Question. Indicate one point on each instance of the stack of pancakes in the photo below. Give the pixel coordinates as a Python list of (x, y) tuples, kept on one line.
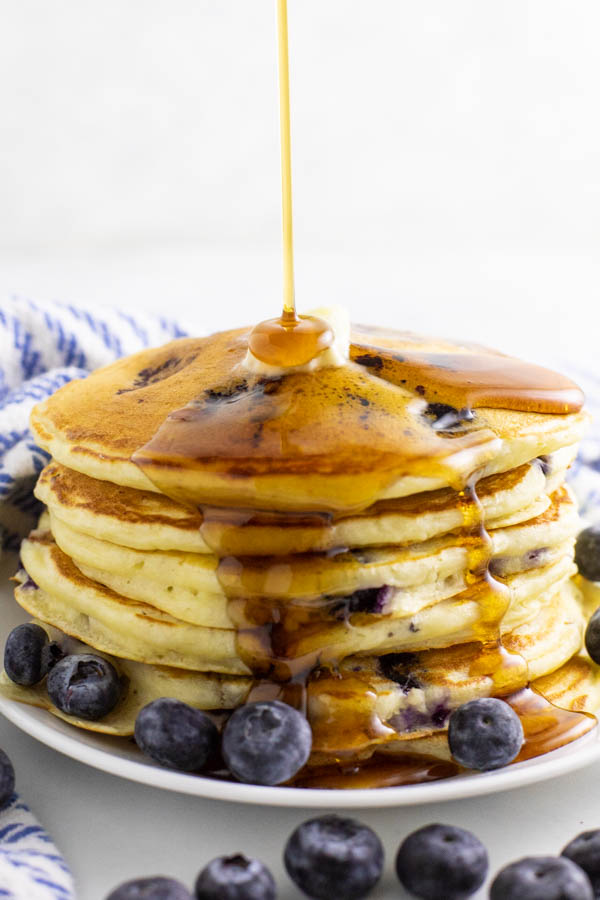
[(357, 539)]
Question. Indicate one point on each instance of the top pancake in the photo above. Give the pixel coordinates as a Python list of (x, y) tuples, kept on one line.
[(189, 420)]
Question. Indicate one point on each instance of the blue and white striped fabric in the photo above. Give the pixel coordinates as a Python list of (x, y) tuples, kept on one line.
[(42, 346), (31, 868)]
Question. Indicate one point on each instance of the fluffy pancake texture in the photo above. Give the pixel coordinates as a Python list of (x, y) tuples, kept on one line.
[(208, 529)]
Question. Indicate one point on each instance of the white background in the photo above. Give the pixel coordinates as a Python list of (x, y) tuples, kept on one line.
[(446, 161), (447, 178)]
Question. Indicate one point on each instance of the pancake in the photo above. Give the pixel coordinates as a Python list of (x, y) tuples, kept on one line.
[(66, 599), (186, 584), (411, 690), (146, 521), (334, 439), (142, 684), (63, 597), (407, 691), (575, 687)]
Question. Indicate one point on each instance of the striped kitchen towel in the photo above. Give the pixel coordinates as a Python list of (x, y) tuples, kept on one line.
[(42, 346), (31, 868)]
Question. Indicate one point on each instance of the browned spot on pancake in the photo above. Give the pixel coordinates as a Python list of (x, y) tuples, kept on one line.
[(560, 499), (74, 490)]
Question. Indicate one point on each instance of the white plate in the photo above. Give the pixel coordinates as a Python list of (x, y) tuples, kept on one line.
[(120, 756)]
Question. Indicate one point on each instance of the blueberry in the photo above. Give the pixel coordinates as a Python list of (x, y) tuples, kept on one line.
[(334, 857), (7, 779), (592, 636), (441, 862), (541, 878), (485, 734), (176, 735), (584, 850), (266, 742), (25, 659), (587, 552), (156, 888), (84, 685), (235, 878)]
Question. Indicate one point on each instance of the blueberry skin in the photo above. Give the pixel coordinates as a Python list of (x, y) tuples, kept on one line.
[(584, 850), (7, 779), (442, 862), (24, 659), (587, 552), (333, 857), (485, 734), (592, 636), (84, 685), (542, 878), (176, 735), (235, 878), (156, 888), (266, 742)]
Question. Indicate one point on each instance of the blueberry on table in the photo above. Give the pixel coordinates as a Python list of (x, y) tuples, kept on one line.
[(485, 734), (266, 742), (592, 636), (235, 878), (25, 659), (442, 862), (542, 878), (156, 888), (176, 735), (7, 779), (584, 850), (334, 857), (587, 552), (84, 685)]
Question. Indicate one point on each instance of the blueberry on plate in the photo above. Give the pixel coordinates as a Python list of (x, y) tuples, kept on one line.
[(592, 636), (84, 685), (27, 654), (442, 862), (157, 888), (266, 742), (235, 878), (584, 850), (541, 878), (485, 734), (176, 735), (587, 552), (7, 779), (333, 857)]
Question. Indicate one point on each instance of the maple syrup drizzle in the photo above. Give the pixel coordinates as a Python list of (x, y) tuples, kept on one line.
[(469, 377), (290, 340), (364, 420)]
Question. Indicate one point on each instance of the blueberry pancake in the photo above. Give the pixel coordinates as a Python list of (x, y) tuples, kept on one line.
[(378, 538)]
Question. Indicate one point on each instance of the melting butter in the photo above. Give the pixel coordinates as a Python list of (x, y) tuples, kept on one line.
[(337, 354)]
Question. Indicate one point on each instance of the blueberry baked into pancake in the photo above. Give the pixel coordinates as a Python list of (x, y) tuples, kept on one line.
[(379, 543)]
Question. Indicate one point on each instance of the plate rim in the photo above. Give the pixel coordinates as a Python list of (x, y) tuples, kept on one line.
[(558, 762)]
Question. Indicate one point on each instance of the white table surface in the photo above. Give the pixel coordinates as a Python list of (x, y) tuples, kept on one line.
[(111, 830)]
